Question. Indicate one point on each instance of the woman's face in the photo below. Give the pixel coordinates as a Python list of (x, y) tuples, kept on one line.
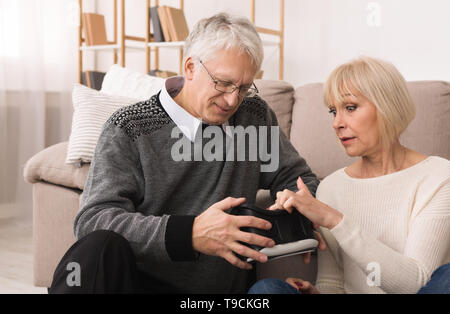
[(355, 123)]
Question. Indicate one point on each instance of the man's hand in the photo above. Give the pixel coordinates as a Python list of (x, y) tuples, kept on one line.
[(217, 233)]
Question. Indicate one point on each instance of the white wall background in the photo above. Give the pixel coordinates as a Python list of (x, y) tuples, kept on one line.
[(320, 34)]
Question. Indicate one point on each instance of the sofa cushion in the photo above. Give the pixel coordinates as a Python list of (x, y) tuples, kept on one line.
[(279, 96), (91, 110), (49, 166), (315, 140), (128, 83)]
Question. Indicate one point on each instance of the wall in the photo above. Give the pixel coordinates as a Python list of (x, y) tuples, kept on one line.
[(413, 34)]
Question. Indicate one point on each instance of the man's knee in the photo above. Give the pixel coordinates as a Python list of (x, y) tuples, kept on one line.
[(100, 254), (104, 244)]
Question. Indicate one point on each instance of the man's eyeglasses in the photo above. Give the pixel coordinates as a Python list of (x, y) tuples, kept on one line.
[(228, 87)]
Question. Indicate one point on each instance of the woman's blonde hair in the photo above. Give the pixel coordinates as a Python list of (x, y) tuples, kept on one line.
[(384, 86)]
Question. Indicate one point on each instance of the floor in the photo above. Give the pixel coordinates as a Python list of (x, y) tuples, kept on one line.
[(16, 257)]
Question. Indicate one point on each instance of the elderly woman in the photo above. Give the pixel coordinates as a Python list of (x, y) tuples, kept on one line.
[(385, 218)]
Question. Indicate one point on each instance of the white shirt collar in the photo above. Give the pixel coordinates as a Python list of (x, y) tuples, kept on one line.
[(186, 122)]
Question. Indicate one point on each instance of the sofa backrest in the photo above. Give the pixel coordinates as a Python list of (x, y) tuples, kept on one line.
[(279, 95), (315, 140), (429, 133)]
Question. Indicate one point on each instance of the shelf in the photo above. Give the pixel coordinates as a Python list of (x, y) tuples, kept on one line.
[(134, 45), (273, 32), (100, 47), (114, 45), (141, 45)]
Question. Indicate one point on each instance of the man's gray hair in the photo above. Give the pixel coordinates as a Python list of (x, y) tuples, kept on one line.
[(224, 31)]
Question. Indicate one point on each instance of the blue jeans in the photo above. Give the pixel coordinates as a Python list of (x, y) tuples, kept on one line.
[(439, 282), (272, 286)]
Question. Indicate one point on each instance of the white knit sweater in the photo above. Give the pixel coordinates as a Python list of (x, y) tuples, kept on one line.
[(395, 231)]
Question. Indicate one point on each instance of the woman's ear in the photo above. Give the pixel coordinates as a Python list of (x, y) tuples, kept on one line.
[(189, 68)]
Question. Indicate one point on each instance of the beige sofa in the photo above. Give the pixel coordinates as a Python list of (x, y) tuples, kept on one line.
[(302, 116)]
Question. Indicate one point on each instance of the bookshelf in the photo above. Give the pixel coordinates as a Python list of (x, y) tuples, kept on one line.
[(147, 43), (273, 32), (82, 47)]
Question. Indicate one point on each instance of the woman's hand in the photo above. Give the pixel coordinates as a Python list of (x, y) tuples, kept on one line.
[(282, 197), (303, 286), (319, 213)]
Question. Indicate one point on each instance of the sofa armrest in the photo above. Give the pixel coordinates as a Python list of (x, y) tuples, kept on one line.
[(49, 166)]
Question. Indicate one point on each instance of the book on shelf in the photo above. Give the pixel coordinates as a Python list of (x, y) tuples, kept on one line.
[(176, 20), (92, 79), (158, 34), (94, 29), (164, 24)]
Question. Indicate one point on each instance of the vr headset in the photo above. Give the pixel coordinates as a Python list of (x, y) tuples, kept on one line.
[(292, 233)]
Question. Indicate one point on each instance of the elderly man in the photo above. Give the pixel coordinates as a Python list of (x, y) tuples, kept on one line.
[(153, 214)]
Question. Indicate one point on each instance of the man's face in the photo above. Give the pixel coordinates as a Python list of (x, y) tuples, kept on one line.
[(211, 105)]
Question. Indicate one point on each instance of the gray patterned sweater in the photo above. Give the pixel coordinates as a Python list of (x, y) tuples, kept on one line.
[(136, 189)]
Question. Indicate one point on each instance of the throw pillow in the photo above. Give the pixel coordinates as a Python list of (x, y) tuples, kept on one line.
[(91, 110), (124, 82)]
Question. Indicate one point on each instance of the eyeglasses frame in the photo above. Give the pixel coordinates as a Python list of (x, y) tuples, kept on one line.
[(254, 89)]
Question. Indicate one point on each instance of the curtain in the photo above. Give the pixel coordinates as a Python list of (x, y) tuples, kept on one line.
[(38, 67)]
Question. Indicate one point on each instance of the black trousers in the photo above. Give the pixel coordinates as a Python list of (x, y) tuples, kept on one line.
[(103, 262)]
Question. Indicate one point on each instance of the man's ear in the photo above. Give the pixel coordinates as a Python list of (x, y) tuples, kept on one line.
[(189, 68)]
